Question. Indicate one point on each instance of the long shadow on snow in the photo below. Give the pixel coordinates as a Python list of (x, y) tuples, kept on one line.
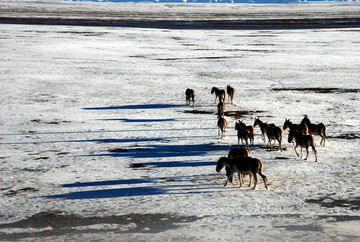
[(167, 189), (131, 192), (137, 106), (160, 151), (134, 181), (91, 140), (140, 120)]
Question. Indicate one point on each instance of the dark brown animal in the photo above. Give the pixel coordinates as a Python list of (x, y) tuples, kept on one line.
[(304, 141), (250, 129), (222, 125), (272, 132), (221, 107), (301, 128), (219, 93), (236, 153), (316, 129), (190, 96), (243, 166), (242, 134), (262, 128), (231, 92)]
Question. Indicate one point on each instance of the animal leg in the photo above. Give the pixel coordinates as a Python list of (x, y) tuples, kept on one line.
[(255, 180), (296, 151), (250, 176), (239, 179), (313, 148), (264, 179), (322, 140), (279, 140), (232, 180), (307, 153), (242, 178)]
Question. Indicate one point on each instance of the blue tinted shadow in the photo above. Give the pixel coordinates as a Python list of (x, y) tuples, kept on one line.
[(171, 164), (108, 183), (141, 106), (157, 151), (110, 193), (140, 120)]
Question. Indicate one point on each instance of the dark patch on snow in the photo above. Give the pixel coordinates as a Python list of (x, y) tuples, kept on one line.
[(331, 202), (319, 90), (198, 111), (62, 223), (241, 114), (19, 191), (346, 136)]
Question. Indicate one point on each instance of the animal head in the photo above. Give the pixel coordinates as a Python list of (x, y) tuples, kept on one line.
[(237, 125), (306, 120), (220, 164), (242, 123), (287, 123), (291, 136), (213, 90), (257, 121)]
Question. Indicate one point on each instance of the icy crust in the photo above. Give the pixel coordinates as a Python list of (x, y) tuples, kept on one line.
[(176, 11), (94, 125)]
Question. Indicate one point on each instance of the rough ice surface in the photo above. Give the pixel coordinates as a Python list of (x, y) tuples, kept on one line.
[(94, 124)]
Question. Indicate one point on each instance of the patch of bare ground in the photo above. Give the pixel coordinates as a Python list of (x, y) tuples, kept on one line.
[(330, 202), (22, 190), (49, 122), (194, 111), (282, 157), (121, 150), (34, 170), (241, 114), (320, 90), (199, 58), (118, 150), (345, 136), (234, 114), (61, 223), (137, 166)]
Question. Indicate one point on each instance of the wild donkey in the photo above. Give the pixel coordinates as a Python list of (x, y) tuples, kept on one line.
[(272, 132), (262, 128), (301, 128), (231, 92), (242, 134), (219, 93), (236, 153), (250, 129), (221, 107), (316, 129), (190, 96), (303, 141), (243, 166), (222, 125)]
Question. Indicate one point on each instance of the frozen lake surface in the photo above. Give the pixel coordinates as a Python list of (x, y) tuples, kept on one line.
[(97, 143)]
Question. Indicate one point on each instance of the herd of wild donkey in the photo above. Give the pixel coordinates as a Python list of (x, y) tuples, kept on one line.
[(239, 160)]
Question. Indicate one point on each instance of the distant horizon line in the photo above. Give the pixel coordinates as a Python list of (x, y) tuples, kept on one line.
[(216, 1)]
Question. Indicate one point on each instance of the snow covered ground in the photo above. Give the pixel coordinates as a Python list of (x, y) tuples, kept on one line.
[(96, 142)]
